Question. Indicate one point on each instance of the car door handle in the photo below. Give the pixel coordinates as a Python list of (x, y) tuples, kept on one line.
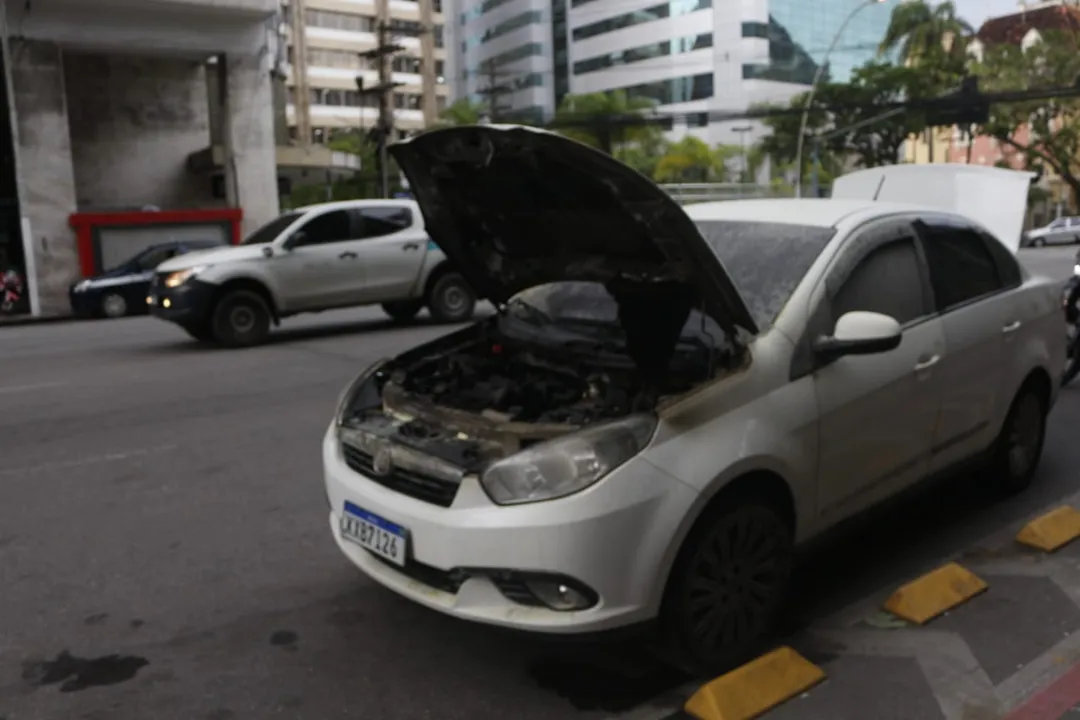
[(410, 246), (1011, 327), (926, 363), (347, 255)]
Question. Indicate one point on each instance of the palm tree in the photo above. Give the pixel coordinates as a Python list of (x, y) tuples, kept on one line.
[(921, 32), (584, 118)]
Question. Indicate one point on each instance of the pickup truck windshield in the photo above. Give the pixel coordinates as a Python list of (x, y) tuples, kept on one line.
[(272, 229)]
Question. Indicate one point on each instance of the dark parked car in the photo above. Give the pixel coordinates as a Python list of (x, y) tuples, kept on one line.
[(122, 290)]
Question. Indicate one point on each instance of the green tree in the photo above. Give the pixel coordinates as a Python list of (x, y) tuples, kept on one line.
[(592, 119), (860, 129), (690, 160), (780, 146), (1045, 132), (922, 33), (461, 112)]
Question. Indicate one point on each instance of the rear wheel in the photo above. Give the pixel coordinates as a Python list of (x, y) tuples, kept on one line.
[(1018, 449), (240, 319), (728, 586), (1038, 242), (114, 306), (403, 310), (450, 299)]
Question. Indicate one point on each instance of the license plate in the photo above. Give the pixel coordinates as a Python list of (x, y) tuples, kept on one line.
[(373, 533)]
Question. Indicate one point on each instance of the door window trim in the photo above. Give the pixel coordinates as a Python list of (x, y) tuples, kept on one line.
[(922, 226)]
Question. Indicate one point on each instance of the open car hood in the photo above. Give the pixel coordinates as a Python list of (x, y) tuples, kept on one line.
[(995, 198), (516, 207)]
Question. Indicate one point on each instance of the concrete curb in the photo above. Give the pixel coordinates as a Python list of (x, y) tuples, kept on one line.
[(24, 320)]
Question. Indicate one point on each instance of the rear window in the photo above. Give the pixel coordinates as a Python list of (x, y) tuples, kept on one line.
[(766, 261)]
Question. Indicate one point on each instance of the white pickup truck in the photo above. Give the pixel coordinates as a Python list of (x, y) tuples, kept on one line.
[(315, 258)]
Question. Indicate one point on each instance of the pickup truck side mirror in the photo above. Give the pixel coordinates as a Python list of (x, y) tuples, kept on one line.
[(297, 239)]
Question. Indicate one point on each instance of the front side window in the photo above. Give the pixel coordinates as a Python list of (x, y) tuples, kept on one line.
[(887, 281), (151, 259), (961, 266), (329, 227), (272, 229)]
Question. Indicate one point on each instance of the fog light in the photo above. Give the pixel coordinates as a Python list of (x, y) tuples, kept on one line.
[(558, 595), (149, 300), (166, 302)]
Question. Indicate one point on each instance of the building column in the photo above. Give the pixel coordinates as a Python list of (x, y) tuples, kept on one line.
[(45, 174), (247, 132)]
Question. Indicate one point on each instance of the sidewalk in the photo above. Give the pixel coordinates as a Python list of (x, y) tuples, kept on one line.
[(1009, 653), (15, 320)]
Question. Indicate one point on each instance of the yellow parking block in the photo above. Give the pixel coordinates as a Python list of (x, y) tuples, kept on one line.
[(1052, 531), (755, 688), (923, 599)]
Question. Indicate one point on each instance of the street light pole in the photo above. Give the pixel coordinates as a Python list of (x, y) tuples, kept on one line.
[(745, 164), (814, 85)]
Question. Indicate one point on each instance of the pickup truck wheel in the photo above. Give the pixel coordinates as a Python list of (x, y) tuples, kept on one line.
[(450, 299), (728, 586), (240, 319), (404, 310)]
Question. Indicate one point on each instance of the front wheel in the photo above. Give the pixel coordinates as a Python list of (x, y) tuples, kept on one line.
[(728, 586), (450, 299), (240, 319), (113, 306), (1018, 449), (1038, 242)]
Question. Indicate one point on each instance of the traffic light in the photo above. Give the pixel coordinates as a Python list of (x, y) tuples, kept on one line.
[(967, 106)]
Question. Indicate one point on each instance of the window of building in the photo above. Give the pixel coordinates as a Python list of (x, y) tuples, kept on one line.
[(697, 120), (337, 59), (340, 21), (644, 52), (506, 26), (437, 33), (436, 6), (755, 30), (406, 64), (318, 135), (440, 102), (480, 9), (675, 90), (407, 101), (625, 20)]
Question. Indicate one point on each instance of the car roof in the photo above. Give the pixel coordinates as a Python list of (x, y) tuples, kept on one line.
[(347, 204), (815, 212)]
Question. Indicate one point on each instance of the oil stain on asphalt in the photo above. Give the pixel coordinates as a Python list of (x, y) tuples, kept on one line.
[(74, 673)]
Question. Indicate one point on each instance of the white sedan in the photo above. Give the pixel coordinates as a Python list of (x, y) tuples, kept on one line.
[(671, 400)]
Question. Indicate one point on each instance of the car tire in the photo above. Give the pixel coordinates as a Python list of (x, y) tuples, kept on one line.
[(240, 319), (717, 615), (114, 306), (1018, 449), (1038, 242), (199, 331), (404, 310), (450, 299)]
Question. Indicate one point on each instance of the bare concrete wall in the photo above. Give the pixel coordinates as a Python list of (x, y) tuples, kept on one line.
[(133, 123), (46, 182)]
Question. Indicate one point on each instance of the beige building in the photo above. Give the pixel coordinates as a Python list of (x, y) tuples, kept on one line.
[(324, 41)]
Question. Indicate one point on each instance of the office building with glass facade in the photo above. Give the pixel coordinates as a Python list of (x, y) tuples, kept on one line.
[(687, 56)]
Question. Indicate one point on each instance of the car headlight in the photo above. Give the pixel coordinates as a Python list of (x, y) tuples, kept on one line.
[(180, 277), (363, 392), (566, 465)]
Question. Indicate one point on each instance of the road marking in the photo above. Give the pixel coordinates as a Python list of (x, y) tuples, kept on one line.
[(1051, 702), (29, 388), (93, 460), (924, 598)]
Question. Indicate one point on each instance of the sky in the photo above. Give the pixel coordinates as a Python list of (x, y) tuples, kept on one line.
[(977, 11)]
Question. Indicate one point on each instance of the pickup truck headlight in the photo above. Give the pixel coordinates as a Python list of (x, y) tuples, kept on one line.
[(178, 278), (362, 393), (566, 465)]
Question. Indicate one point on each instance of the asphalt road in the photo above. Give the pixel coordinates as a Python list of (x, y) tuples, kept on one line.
[(164, 550)]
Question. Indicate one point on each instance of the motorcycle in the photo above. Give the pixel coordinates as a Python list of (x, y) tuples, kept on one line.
[(11, 291), (1070, 299)]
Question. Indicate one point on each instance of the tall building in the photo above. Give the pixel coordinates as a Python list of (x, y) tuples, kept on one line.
[(687, 56), (325, 39)]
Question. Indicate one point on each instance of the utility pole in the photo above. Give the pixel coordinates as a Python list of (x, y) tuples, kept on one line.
[(299, 69), (493, 89), (382, 53)]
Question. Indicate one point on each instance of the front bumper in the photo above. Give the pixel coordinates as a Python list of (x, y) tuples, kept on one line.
[(614, 538), (189, 302), (84, 303)]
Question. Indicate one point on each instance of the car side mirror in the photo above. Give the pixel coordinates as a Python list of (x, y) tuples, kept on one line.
[(268, 252), (297, 239), (859, 333)]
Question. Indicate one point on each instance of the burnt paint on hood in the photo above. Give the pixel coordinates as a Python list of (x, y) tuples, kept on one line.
[(517, 207)]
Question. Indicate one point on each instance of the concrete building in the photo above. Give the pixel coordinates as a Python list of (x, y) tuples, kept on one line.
[(109, 103), (687, 56), (324, 39)]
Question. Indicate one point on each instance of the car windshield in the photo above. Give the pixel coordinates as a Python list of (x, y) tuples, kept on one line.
[(272, 229), (765, 260)]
